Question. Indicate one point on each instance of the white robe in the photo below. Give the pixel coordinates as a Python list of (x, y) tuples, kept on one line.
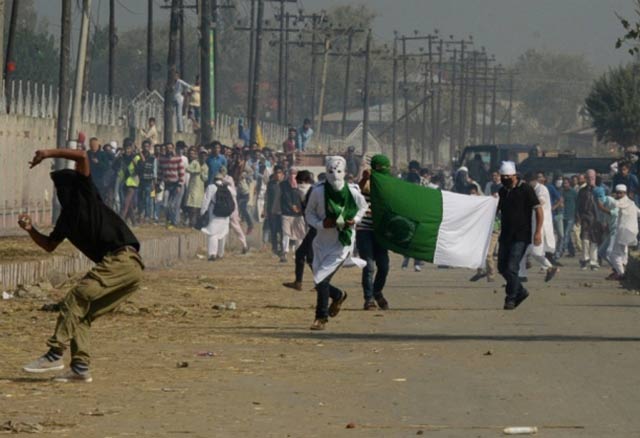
[(627, 227), (217, 227), (328, 253), (548, 237)]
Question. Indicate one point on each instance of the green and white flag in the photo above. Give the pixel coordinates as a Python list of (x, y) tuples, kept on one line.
[(436, 226)]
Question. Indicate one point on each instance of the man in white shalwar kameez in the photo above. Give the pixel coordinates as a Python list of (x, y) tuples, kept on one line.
[(626, 232), (334, 209), (218, 227), (548, 245)]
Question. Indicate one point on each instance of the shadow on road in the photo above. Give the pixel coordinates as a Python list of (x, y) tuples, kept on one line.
[(436, 337)]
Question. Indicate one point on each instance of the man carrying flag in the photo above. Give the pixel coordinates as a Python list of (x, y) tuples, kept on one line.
[(334, 209)]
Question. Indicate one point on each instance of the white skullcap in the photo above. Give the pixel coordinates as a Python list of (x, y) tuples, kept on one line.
[(114, 144), (621, 188), (334, 161), (463, 169), (508, 168)]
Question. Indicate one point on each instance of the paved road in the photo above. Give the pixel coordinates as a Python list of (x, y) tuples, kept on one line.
[(446, 361)]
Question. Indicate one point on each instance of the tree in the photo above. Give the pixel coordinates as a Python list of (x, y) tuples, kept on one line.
[(614, 105), (632, 35), (552, 88)]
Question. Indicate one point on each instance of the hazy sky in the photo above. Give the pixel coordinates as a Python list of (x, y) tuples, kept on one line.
[(505, 27)]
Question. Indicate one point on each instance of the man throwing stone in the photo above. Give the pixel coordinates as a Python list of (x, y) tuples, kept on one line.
[(334, 209), (100, 234), (517, 202)]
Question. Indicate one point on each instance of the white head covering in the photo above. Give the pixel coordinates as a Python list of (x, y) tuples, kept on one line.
[(336, 166), (508, 168), (463, 169), (621, 188), (114, 144)]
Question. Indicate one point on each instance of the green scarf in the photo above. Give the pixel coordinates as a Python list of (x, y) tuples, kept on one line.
[(340, 205)]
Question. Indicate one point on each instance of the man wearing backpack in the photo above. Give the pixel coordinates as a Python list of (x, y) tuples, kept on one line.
[(218, 205)]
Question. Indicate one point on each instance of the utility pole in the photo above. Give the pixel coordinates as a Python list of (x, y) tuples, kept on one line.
[(281, 65), (323, 83), (485, 88), (423, 127), (2, 13), (255, 97), (252, 41), (149, 45), (462, 95), (405, 90), (394, 98), (314, 23), (347, 80), (494, 90), (365, 101), (436, 141), (474, 98), (76, 108), (181, 30), (452, 112), (63, 80), (510, 107), (171, 70), (206, 72), (112, 45), (286, 69), (9, 64)]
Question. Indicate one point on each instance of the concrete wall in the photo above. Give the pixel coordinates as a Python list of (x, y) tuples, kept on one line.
[(29, 190)]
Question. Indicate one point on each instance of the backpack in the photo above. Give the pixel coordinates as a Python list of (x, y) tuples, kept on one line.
[(224, 205)]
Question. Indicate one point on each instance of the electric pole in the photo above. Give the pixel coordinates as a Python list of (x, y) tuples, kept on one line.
[(63, 80), (281, 65), (206, 71), (394, 98), (323, 83), (10, 64), (2, 13), (347, 80), (255, 97), (171, 71), (112, 45), (149, 45), (511, 74), (252, 42), (365, 101), (405, 91), (181, 39), (76, 108)]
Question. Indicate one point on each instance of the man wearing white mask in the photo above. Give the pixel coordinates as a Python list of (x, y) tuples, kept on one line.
[(626, 232), (334, 209), (518, 201), (548, 245)]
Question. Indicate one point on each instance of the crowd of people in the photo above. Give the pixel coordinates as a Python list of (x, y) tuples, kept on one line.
[(584, 215), (327, 220)]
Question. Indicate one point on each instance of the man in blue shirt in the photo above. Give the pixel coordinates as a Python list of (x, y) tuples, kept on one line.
[(215, 161), (304, 135), (624, 176)]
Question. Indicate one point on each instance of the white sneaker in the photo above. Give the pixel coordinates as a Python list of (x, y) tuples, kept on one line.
[(43, 365), (73, 377), (417, 268)]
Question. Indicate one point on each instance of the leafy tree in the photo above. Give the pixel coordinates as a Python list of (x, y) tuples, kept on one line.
[(552, 88), (632, 35), (614, 105)]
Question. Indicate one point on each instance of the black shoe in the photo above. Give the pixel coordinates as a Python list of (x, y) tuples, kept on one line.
[(478, 276), (520, 298), (382, 303), (551, 272), (509, 305), (335, 306), (523, 279)]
